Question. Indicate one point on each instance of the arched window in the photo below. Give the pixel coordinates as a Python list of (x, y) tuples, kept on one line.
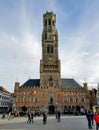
[(51, 100)]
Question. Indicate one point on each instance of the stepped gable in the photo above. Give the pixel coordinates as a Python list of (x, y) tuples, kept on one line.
[(31, 83), (70, 83)]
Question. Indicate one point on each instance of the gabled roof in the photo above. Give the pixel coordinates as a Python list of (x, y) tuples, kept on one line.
[(69, 83), (3, 89), (31, 83)]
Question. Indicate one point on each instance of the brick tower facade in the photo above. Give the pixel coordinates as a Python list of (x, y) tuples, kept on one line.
[(50, 63)]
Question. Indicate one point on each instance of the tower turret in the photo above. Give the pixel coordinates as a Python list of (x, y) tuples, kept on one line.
[(85, 86), (16, 86)]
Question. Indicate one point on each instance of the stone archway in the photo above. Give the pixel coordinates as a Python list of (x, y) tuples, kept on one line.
[(24, 108), (51, 109)]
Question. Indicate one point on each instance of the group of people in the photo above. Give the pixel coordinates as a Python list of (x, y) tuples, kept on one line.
[(91, 117), (9, 116), (45, 117), (30, 115)]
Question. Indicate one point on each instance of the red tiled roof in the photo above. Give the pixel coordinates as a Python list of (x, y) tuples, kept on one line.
[(3, 89)]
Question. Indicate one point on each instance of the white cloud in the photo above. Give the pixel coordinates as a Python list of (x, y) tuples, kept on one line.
[(20, 52), (84, 54), (97, 54)]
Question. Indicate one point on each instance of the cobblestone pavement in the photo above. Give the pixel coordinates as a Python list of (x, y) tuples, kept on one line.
[(67, 123)]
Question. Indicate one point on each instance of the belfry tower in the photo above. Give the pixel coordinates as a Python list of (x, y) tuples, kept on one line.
[(50, 64)]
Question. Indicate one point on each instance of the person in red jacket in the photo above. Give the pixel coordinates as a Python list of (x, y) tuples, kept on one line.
[(96, 118)]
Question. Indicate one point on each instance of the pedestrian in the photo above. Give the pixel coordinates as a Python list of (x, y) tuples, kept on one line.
[(88, 116), (3, 116), (96, 118), (58, 116), (92, 118), (32, 117), (44, 118), (29, 117), (9, 116)]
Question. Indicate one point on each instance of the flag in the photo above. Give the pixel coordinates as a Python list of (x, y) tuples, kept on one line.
[(34, 92), (30, 93)]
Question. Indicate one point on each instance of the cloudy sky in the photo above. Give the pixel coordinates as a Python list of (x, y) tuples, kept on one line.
[(21, 25)]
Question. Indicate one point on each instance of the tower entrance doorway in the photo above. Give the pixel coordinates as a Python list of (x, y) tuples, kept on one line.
[(51, 109)]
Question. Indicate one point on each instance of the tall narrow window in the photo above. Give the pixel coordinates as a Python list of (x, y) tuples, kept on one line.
[(45, 36), (51, 100), (49, 49), (18, 99), (76, 99), (49, 22), (45, 22)]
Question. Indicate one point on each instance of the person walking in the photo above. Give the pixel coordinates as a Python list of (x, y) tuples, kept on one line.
[(32, 116), (3, 116), (29, 117), (88, 116), (96, 118), (44, 118), (58, 116), (9, 115), (92, 118)]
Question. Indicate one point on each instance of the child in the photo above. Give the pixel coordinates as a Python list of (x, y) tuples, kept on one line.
[(96, 118)]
